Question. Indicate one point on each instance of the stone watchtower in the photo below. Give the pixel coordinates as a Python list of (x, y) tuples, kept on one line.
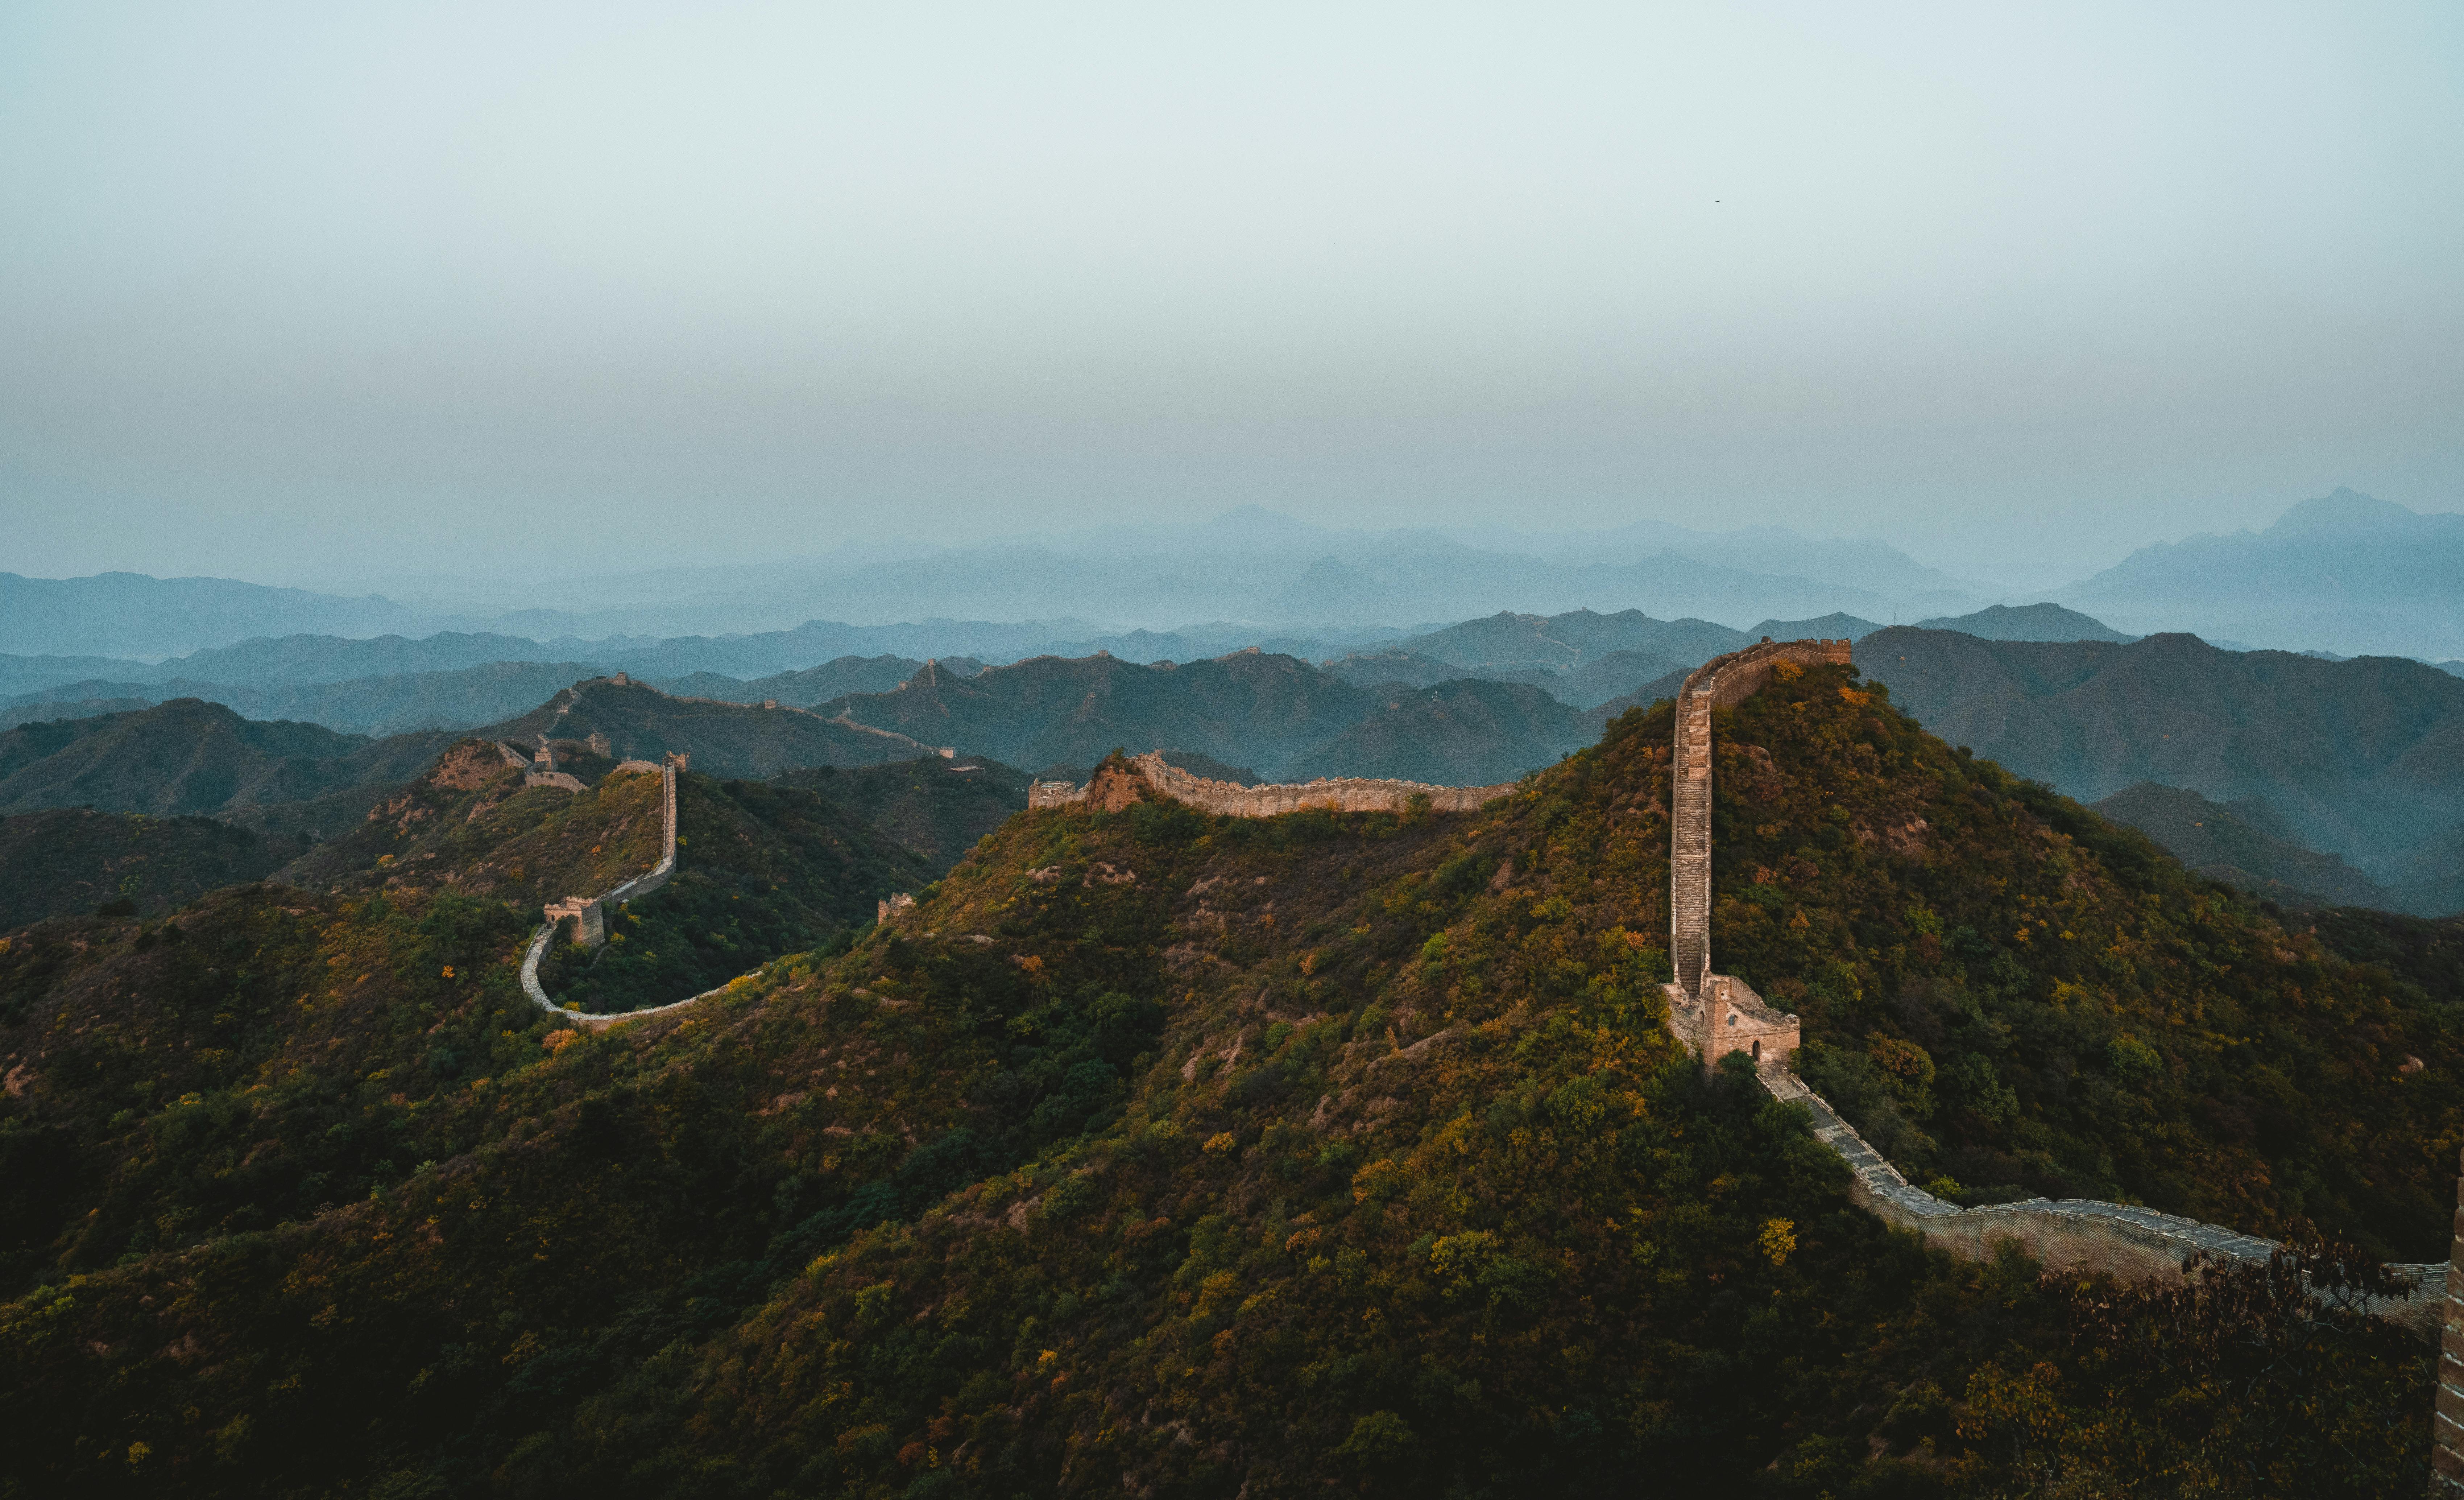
[(589, 919), (1718, 1013)]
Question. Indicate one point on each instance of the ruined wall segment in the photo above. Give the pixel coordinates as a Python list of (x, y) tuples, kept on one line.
[(1112, 789)]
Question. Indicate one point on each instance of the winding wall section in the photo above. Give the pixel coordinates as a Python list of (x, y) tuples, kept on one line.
[(1717, 1014), (587, 911)]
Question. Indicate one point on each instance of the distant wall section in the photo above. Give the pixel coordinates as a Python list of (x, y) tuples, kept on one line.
[(589, 913), (1109, 791)]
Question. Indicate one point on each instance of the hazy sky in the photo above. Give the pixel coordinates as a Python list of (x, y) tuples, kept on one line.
[(320, 290)]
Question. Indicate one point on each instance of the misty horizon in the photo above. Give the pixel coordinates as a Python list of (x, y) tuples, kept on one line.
[(304, 293)]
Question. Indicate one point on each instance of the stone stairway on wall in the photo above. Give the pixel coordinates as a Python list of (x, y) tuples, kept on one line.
[(1689, 855), (1722, 682)]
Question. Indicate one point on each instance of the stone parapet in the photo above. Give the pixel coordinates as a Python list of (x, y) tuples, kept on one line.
[(1230, 799)]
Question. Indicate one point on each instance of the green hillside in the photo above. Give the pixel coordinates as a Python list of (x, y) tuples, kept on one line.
[(726, 739), (1158, 1153), (2042, 622), (1397, 668), (760, 870), (1246, 709), (2359, 758), (1570, 641), (933, 808), (2213, 840), (70, 860), (192, 756), (468, 825), (831, 679), (1463, 733)]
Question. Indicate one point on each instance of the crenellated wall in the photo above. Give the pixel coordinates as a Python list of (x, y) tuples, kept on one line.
[(1342, 794)]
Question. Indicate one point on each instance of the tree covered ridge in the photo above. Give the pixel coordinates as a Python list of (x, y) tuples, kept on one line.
[(2011, 995), (1150, 1148)]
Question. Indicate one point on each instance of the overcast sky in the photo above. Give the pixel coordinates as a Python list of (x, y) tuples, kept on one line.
[(332, 289)]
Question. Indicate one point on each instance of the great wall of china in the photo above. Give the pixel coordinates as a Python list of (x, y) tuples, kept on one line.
[(1231, 799), (589, 914), (1716, 1014), (1713, 1013)]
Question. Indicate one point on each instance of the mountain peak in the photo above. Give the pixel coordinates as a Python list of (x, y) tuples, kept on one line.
[(2344, 510)]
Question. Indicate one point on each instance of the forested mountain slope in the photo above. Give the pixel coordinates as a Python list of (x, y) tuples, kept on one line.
[(1466, 732), (935, 809), (1569, 641), (724, 739), (68, 860), (831, 679), (761, 870), (1247, 709), (2222, 842), (192, 756), (1159, 1152), (2360, 758)]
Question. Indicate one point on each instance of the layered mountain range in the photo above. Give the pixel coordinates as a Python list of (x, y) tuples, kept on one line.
[(2332, 758), (2364, 758), (1156, 1152)]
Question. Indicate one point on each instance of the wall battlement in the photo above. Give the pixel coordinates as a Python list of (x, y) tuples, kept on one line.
[(1230, 799)]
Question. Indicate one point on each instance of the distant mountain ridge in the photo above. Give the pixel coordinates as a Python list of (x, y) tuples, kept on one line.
[(112, 615), (2232, 845), (2038, 622), (192, 756), (2346, 572), (2360, 758)]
